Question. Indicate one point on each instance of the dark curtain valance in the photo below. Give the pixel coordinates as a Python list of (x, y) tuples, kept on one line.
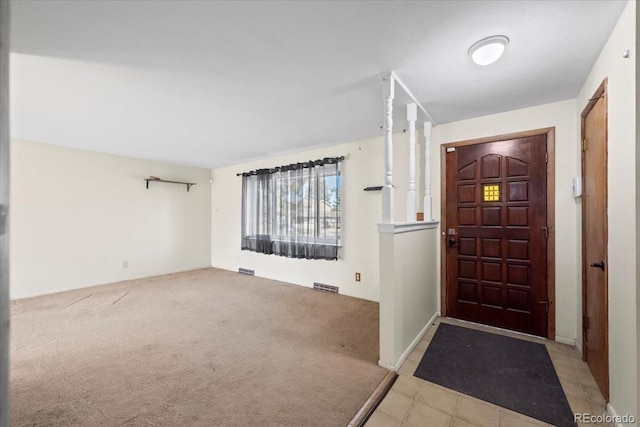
[(294, 166)]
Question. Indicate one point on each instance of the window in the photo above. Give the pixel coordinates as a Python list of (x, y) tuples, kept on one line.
[(491, 193), (293, 210)]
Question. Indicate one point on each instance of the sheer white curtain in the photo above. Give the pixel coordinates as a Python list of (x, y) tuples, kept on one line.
[(293, 210)]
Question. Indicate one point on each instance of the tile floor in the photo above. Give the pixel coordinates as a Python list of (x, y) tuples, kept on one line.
[(416, 403)]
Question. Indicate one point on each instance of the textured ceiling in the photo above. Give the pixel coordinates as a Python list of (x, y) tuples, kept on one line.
[(218, 83)]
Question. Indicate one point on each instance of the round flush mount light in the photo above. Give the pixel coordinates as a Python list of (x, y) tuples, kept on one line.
[(488, 50)]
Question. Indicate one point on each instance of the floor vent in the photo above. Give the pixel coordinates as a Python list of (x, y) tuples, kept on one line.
[(325, 288), (246, 271)]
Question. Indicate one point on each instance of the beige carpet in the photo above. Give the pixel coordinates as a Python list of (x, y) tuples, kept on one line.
[(202, 348)]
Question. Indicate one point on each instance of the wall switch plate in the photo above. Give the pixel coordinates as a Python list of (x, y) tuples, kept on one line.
[(357, 277)]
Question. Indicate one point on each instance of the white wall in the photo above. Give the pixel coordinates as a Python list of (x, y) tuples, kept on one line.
[(409, 291), (4, 200), (560, 115), (362, 168), (622, 214), (77, 215)]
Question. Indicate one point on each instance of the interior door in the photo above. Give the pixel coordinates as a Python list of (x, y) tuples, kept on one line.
[(496, 233), (594, 238)]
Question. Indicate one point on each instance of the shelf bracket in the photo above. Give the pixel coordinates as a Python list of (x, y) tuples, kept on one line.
[(188, 184)]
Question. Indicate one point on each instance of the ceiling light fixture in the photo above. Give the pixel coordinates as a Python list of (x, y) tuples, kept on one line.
[(489, 50)]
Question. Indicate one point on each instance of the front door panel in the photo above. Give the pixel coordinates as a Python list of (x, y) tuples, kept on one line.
[(496, 234)]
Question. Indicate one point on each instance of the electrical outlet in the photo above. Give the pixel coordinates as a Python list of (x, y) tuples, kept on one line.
[(125, 264), (357, 277)]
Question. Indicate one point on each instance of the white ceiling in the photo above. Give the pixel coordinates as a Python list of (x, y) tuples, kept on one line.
[(217, 83)]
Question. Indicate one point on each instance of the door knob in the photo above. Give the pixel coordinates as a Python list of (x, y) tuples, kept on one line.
[(599, 265), (452, 242)]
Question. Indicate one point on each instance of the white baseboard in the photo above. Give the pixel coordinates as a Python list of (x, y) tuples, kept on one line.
[(68, 289), (620, 420), (570, 342), (94, 285), (386, 366), (395, 366), (613, 413), (567, 341)]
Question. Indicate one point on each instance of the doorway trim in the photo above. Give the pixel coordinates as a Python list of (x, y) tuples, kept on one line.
[(550, 133), (600, 92)]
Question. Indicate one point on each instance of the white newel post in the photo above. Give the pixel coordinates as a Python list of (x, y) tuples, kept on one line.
[(428, 215), (412, 116), (388, 84)]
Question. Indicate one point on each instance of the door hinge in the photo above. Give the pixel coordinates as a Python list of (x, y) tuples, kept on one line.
[(585, 322), (546, 157), (546, 232), (584, 144)]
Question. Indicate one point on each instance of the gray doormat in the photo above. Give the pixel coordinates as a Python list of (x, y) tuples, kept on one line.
[(508, 372)]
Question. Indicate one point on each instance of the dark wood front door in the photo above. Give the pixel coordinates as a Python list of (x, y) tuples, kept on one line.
[(594, 238), (496, 233)]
